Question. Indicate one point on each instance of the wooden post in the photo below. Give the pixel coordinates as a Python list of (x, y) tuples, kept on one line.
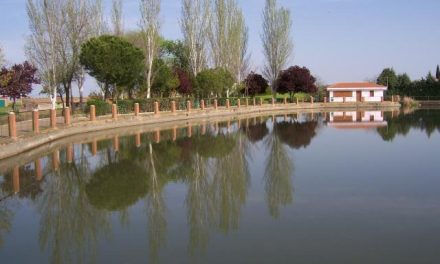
[(138, 139), (297, 101), (53, 118), (325, 100), (202, 104), (16, 179), (273, 101), (94, 147), (173, 106), (157, 136), (136, 109), (12, 125), (174, 133), (247, 102), (285, 100), (188, 106), (114, 111), (189, 131), (38, 170), (312, 100), (92, 113), (203, 129), (238, 103), (56, 160), (254, 102), (116, 143), (227, 103), (215, 104), (156, 108), (36, 121), (69, 153), (261, 101), (67, 116)]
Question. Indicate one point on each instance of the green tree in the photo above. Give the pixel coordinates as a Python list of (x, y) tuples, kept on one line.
[(388, 77), (214, 82), (403, 84), (165, 80), (112, 61), (437, 73), (175, 54)]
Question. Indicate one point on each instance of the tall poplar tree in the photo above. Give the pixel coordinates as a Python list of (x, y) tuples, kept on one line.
[(195, 24), (277, 40), (150, 26)]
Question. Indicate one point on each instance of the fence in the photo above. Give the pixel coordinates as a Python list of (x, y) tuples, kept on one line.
[(24, 122)]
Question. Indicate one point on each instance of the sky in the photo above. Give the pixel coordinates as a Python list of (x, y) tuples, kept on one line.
[(338, 40)]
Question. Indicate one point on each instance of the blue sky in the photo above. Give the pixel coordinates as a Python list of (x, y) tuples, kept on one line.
[(339, 40)]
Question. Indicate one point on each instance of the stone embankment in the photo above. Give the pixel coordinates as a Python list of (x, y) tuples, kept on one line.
[(16, 144)]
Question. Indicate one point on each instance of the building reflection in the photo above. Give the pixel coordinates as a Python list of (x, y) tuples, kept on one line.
[(356, 120)]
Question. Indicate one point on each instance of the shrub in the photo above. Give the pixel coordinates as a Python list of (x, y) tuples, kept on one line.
[(101, 106)]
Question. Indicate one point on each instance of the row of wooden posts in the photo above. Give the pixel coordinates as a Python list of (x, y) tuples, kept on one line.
[(12, 124)]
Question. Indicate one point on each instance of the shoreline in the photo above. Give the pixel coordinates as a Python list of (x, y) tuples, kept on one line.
[(166, 119)]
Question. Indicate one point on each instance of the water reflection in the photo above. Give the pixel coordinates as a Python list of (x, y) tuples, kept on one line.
[(77, 189)]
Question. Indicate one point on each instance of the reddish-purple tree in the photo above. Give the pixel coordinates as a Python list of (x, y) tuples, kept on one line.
[(16, 82), (296, 79), (255, 84), (185, 84)]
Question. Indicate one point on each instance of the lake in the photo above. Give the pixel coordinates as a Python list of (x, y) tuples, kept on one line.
[(334, 187)]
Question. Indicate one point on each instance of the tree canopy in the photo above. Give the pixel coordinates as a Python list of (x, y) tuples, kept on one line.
[(214, 82), (296, 79), (112, 60), (388, 78), (437, 73), (17, 81), (255, 84)]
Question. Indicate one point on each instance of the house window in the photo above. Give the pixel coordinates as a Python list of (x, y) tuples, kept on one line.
[(371, 93)]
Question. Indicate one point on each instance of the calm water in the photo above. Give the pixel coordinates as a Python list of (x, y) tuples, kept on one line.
[(306, 188)]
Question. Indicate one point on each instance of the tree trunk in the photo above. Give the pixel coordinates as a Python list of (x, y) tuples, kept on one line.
[(61, 97)]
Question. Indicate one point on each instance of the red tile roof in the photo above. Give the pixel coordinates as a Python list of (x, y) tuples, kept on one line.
[(356, 85)]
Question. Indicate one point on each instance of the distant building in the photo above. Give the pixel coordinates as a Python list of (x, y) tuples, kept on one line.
[(356, 92)]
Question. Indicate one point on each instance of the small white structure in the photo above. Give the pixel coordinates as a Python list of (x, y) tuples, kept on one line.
[(356, 92), (356, 119)]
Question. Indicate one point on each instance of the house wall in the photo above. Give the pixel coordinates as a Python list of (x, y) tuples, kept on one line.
[(340, 117), (378, 95)]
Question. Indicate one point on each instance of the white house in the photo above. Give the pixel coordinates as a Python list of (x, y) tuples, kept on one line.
[(356, 119), (356, 92)]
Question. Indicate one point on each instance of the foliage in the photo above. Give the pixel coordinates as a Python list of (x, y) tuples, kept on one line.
[(175, 53), (117, 186), (296, 134), (437, 73), (388, 78), (277, 40), (185, 82), (165, 80), (296, 79), (214, 82), (17, 81), (101, 106), (255, 84), (112, 60)]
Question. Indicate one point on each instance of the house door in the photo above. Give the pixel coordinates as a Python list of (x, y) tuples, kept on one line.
[(358, 96)]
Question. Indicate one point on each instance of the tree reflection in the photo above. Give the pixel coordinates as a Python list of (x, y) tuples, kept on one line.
[(277, 175), (296, 134), (70, 225), (255, 131), (424, 119)]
